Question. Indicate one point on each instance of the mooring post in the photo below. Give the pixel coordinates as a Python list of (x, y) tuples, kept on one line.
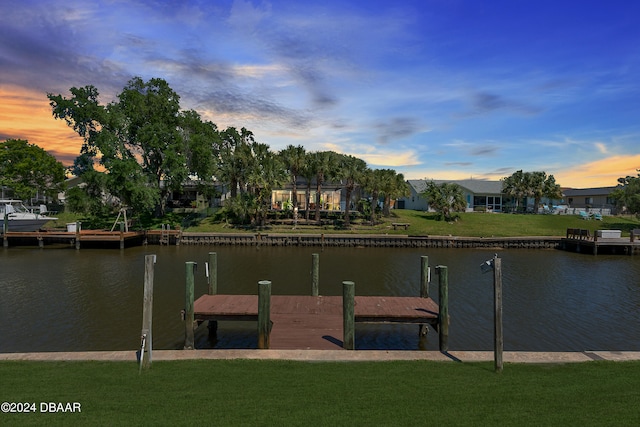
[(121, 235), (348, 312), (497, 300), (425, 277), (78, 224), (5, 228), (315, 274), (147, 313), (443, 312), (212, 280), (212, 273), (264, 313), (188, 311)]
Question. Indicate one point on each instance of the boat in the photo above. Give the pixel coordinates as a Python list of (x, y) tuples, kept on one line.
[(17, 217)]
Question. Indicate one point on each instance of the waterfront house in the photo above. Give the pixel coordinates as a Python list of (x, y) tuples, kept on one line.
[(480, 195)]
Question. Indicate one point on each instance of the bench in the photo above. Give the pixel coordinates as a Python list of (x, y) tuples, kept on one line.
[(635, 233), (578, 234), (400, 224)]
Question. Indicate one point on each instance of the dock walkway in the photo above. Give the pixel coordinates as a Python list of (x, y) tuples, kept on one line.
[(315, 322)]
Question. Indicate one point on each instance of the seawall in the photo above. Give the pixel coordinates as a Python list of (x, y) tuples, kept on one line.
[(360, 240)]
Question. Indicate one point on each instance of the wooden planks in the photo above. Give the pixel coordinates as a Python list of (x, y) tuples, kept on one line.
[(315, 322)]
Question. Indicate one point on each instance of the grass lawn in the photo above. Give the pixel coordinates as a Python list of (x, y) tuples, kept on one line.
[(281, 393), (468, 224)]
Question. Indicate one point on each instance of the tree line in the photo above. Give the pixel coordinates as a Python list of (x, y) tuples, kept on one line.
[(149, 147)]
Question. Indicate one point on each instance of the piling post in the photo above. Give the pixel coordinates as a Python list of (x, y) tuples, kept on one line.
[(497, 304), (5, 228), (78, 224), (348, 312), (212, 280), (315, 275), (264, 314), (147, 313), (443, 312), (121, 235), (425, 277), (188, 311)]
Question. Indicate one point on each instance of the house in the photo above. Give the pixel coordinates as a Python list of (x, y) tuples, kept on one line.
[(480, 195), (591, 198), (331, 197)]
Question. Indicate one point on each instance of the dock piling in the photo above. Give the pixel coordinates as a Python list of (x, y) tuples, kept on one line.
[(212, 281), (443, 313), (425, 277), (315, 274), (264, 313), (188, 311), (147, 313), (497, 318), (348, 312)]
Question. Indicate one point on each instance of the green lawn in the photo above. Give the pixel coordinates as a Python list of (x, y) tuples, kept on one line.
[(423, 224), (281, 393), (468, 224)]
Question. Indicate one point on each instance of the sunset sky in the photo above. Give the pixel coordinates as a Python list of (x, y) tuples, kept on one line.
[(436, 89)]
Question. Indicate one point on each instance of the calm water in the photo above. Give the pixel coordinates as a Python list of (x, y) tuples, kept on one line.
[(59, 299)]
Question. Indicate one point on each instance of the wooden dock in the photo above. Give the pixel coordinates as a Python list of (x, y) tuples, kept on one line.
[(315, 322), (585, 241), (77, 238)]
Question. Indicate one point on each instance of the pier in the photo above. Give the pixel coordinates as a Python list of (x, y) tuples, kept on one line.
[(314, 322), (600, 241), (78, 238)]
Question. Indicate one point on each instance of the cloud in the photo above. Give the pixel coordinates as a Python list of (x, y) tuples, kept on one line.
[(396, 128), (482, 103), (376, 157), (594, 174)]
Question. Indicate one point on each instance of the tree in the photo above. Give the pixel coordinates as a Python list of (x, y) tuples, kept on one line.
[(515, 186), (531, 184), (372, 184), (445, 198), (324, 164), (28, 170), (350, 169), (294, 161), (142, 140), (627, 194), (392, 186)]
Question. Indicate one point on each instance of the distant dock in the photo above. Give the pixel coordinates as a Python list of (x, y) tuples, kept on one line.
[(601, 241), (78, 238)]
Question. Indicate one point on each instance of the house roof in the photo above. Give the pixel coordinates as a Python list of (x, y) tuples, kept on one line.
[(578, 192), (474, 186)]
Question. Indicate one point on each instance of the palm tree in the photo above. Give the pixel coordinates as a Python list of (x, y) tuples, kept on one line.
[(350, 169), (324, 165), (372, 183), (445, 198), (294, 161), (515, 186)]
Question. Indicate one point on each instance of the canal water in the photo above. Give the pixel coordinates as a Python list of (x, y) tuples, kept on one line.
[(61, 299)]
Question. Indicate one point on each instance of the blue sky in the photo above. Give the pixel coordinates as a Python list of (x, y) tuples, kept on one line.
[(442, 89)]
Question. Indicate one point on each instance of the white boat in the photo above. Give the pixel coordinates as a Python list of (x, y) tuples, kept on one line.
[(19, 218)]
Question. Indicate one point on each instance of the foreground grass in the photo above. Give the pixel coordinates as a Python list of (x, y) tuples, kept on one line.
[(245, 392)]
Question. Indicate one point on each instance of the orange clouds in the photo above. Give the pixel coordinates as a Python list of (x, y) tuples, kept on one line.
[(601, 173), (27, 115)]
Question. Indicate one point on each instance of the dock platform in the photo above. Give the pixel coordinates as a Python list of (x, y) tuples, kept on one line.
[(584, 241), (315, 322), (77, 238)]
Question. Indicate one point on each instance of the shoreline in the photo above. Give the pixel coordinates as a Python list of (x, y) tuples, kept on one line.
[(330, 356)]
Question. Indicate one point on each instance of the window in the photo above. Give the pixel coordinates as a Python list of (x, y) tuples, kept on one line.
[(588, 200)]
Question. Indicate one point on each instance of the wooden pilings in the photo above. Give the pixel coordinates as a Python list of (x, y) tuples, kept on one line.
[(212, 281), (425, 277), (188, 311), (315, 274), (264, 313), (443, 313), (348, 312), (146, 342), (497, 305)]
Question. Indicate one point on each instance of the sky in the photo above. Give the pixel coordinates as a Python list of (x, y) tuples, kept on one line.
[(435, 89)]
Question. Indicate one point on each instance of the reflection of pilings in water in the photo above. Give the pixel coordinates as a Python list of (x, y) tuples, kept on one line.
[(373, 240)]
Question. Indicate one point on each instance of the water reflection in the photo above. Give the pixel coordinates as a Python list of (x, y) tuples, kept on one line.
[(63, 299)]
